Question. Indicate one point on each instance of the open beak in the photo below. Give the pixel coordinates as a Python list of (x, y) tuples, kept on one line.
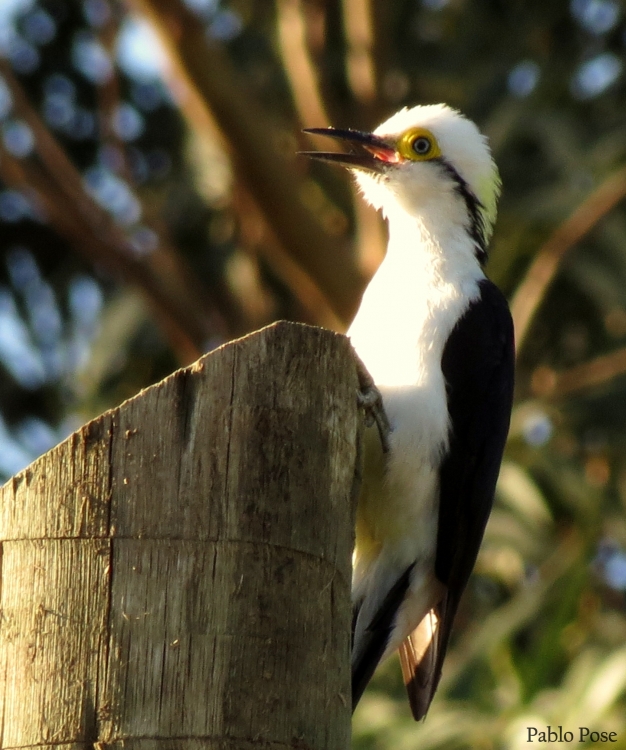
[(367, 151)]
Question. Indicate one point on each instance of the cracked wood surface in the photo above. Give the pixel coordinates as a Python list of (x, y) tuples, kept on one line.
[(176, 574)]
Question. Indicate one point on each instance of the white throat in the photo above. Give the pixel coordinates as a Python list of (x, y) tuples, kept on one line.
[(426, 281)]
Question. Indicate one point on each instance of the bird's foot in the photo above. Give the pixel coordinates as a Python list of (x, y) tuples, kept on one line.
[(371, 401)]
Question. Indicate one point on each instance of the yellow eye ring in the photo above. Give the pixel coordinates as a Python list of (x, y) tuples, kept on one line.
[(418, 144)]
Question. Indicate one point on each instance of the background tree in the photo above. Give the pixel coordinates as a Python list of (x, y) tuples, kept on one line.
[(152, 207)]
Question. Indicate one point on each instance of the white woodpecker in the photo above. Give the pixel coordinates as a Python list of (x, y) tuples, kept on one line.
[(437, 337)]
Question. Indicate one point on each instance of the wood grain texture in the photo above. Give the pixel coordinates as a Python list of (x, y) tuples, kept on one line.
[(176, 574)]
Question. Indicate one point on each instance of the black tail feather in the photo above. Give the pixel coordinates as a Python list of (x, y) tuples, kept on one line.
[(421, 667), (376, 636)]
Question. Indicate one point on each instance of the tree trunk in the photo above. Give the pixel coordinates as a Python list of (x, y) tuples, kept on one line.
[(176, 574)]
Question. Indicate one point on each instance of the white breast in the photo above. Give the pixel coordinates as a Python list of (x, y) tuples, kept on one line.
[(406, 316)]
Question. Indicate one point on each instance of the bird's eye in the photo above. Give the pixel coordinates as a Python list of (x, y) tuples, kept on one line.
[(418, 144), (421, 145)]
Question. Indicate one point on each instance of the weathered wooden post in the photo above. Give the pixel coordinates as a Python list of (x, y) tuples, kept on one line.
[(176, 574)]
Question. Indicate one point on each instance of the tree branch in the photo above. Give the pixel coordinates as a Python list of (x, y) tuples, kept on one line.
[(357, 20), (554, 385), (545, 265), (271, 176), (299, 66), (188, 320), (370, 236)]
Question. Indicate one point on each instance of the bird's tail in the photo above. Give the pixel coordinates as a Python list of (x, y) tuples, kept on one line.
[(418, 659)]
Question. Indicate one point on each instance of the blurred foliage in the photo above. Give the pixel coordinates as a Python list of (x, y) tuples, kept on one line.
[(152, 206)]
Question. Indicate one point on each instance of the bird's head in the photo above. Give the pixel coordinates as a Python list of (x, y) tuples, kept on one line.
[(424, 160)]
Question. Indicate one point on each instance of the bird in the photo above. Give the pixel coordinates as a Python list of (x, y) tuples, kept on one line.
[(436, 336)]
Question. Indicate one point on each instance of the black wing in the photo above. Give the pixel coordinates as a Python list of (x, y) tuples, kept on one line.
[(377, 636), (478, 366)]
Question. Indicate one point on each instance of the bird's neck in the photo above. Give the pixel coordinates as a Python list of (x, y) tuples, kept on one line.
[(434, 246), (426, 281)]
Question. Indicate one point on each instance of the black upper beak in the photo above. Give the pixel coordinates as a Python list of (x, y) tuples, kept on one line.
[(368, 151)]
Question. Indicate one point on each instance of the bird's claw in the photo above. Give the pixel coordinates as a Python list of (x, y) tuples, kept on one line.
[(371, 401)]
